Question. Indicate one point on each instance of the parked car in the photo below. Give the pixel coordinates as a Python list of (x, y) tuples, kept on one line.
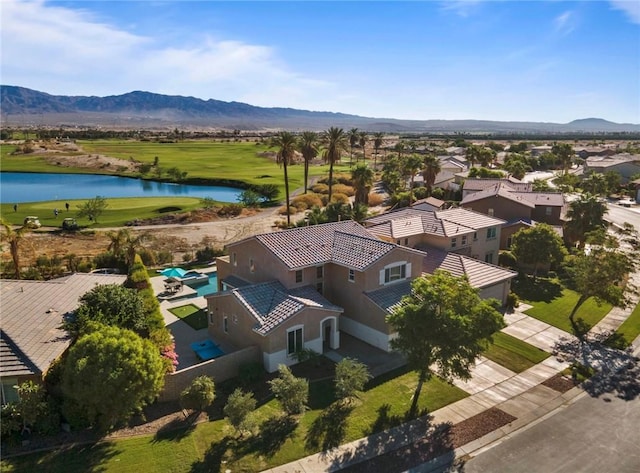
[(32, 221)]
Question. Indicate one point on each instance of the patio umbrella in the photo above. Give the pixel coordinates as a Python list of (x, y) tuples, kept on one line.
[(173, 272)]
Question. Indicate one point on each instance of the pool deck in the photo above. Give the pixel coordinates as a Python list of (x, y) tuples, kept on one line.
[(183, 334)]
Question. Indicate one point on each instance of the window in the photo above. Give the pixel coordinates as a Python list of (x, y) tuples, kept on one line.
[(320, 288), (488, 258), (352, 275), (319, 272), (490, 212), (464, 240), (299, 275), (406, 242), (454, 242), (548, 211), (225, 324), (294, 341), (475, 236), (491, 233), (234, 259), (252, 265), (395, 273)]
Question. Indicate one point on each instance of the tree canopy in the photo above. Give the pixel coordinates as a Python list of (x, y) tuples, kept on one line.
[(93, 208), (292, 392), (538, 246), (199, 394), (111, 372), (444, 324), (351, 376)]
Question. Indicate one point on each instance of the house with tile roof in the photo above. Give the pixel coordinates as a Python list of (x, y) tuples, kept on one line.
[(625, 164), (300, 288), (456, 230), (31, 337), (513, 202)]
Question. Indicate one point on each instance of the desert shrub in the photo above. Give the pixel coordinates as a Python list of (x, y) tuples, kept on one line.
[(230, 210), (283, 210), (420, 193), (207, 253), (85, 266), (344, 179), (148, 257), (320, 188), (375, 199), (335, 198), (343, 189), (306, 201), (164, 257)]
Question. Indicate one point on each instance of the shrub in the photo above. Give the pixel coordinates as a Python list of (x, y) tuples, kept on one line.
[(343, 189), (375, 199), (336, 198), (306, 201), (292, 392), (238, 410), (208, 253), (507, 259), (320, 188), (230, 210), (513, 300), (283, 210), (199, 394), (250, 373)]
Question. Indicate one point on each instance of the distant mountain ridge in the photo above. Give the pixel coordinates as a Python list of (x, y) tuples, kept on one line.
[(21, 106)]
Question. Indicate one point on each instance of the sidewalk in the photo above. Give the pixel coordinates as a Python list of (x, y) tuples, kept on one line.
[(521, 395)]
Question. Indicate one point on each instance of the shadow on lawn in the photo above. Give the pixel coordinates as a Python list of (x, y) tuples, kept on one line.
[(274, 432), (328, 430), (177, 429), (538, 290), (212, 461), (616, 371)]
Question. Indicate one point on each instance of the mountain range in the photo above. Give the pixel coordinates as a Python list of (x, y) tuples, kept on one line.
[(21, 106)]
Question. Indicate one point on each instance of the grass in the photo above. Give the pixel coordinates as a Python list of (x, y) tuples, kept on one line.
[(514, 354), (194, 316), (553, 303), (630, 328), (206, 446)]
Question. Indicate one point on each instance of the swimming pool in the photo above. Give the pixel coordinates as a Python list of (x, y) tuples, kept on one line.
[(206, 288)]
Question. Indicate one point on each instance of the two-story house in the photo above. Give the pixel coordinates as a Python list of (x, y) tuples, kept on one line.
[(298, 288), (457, 230)]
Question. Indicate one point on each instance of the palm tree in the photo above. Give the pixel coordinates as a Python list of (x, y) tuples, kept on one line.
[(363, 142), (334, 141), (353, 139), (285, 141), (471, 153), (585, 215), (412, 165), (362, 177), (516, 168), (124, 245), (399, 148), (377, 142), (14, 237), (432, 168), (308, 145), (564, 152)]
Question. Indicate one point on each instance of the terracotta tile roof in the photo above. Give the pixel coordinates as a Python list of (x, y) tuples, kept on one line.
[(390, 297), (469, 218), (271, 303), (480, 274), (319, 244), (32, 312), (499, 190), (479, 184)]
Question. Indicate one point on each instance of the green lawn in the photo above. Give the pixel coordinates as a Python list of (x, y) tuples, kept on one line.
[(206, 446), (513, 353), (553, 303), (194, 316), (630, 328)]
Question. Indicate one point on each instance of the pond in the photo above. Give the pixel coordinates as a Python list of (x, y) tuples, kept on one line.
[(16, 187)]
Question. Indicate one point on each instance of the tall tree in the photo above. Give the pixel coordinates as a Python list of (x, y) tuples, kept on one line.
[(378, 139), (308, 145), (285, 141), (564, 153), (516, 168), (362, 140), (292, 392), (111, 372), (585, 215), (362, 177), (400, 148), (444, 325), (432, 168), (538, 245), (334, 142), (412, 165), (238, 410), (13, 238), (595, 183), (601, 273), (472, 153), (354, 136)]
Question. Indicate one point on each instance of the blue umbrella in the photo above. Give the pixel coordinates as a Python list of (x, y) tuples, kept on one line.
[(173, 272)]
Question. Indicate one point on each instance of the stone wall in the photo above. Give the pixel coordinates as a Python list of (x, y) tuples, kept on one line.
[(220, 369)]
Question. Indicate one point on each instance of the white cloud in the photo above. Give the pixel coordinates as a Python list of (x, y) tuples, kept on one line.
[(463, 8), (630, 7), (565, 22), (72, 52)]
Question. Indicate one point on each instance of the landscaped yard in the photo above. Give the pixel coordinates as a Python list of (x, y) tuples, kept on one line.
[(194, 316), (513, 353), (630, 328), (206, 446), (552, 303)]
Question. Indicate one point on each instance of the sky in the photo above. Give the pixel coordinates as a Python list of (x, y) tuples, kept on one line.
[(548, 61)]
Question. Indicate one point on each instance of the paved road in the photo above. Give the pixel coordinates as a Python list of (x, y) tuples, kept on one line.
[(593, 435), (618, 214)]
